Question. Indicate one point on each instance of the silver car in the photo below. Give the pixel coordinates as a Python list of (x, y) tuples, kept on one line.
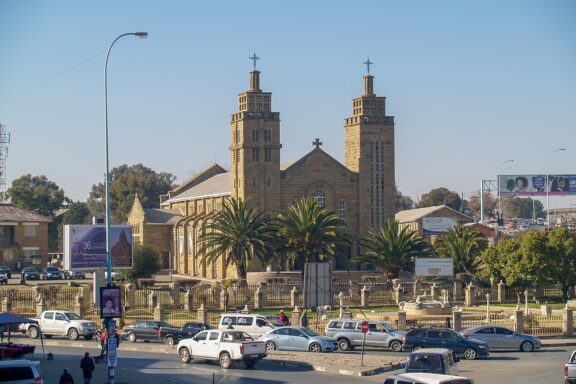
[(297, 339), (349, 334), (500, 338)]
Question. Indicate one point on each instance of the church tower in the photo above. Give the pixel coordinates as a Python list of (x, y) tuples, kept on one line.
[(255, 148), (369, 150)]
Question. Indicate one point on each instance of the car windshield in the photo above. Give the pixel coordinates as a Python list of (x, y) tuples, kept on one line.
[(52, 269), (388, 327), (72, 316), (308, 332), (30, 270), (164, 324)]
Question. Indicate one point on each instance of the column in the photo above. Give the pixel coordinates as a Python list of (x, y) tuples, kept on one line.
[(365, 297), (501, 292), (294, 297), (567, 322)]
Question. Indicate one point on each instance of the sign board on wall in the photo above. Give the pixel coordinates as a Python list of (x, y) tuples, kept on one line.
[(535, 185), (85, 246), (436, 225), (434, 267)]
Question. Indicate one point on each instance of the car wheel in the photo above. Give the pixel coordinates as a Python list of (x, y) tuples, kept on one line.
[(73, 334), (315, 347), (225, 360), (270, 346), (396, 346), (33, 332), (344, 344), (526, 346), (250, 363), (132, 337), (184, 354), (170, 340), (470, 354), (415, 348)]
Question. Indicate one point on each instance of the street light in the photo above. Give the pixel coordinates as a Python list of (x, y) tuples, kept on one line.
[(499, 197), (110, 326), (548, 186)]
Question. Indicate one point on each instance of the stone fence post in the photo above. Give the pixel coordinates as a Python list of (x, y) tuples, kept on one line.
[(79, 305), (398, 294), (295, 320), (158, 313), (188, 301), (519, 320), (40, 306), (130, 291), (501, 292), (201, 314), (153, 300), (567, 322), (469, 299), (415, 289), (259, 299), (6, 305), (401, 320), (245, 310), (458, 295), (224, 299), (365, 297), (435, 291), (294, 297), (457, 321)]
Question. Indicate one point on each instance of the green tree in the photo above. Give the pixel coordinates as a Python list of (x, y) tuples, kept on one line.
[(125, 183), (463, 245), (402, 202), (309, 234), (490, 205), (146, 263), (560, 265), (393, 249), (522, 207), (76, 213), (441, 196), (238, 233), (36, 194)]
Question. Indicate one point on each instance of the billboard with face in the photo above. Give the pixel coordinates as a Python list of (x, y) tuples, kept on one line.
[(535, 185), (85, 246)]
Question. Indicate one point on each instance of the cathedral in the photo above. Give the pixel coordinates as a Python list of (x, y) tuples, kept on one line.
[(360, 191)]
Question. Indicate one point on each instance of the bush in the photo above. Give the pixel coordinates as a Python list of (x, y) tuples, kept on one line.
[(145, 263)]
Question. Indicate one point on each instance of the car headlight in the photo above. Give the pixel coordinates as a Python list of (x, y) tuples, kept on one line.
[(482, 346)]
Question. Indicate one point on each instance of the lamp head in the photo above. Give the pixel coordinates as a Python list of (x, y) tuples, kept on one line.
[(141, 35)]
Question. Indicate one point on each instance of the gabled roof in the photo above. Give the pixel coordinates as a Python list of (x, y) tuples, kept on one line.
[(9, 212), (411, 215), (162, 216), (197, 179), (315, 152), (218, 185)]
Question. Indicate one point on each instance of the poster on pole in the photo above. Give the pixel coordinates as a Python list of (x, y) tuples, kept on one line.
[(110, 302), (85, 247)]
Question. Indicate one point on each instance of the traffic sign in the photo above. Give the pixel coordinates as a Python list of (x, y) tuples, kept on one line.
[(364, 326)]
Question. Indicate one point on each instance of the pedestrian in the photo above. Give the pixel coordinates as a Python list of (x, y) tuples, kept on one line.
[(103, 344), (66, 378), (282, 318), (303, 319), (87, 366)]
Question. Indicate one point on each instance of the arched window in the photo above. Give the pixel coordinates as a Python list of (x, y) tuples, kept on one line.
[(320, 198)]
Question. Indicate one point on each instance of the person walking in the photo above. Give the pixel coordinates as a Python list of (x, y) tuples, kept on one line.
[(87, 366), (103, 345), (303, 319), (66, 378)]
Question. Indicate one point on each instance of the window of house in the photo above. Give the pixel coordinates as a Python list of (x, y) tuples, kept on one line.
[(32, 256), (255, 154), (320, 198), (31, 230), (267, 154)]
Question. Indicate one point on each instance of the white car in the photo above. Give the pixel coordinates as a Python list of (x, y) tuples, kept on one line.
[(20, 371), (60, 323)]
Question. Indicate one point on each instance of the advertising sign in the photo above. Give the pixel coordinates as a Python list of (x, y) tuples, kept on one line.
[(434, 267), (112, 347), (110, 302), (85, 246), (535, 185), (436, 225)]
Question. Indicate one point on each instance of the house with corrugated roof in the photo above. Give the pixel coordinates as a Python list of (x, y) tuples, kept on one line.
[(23, 238)]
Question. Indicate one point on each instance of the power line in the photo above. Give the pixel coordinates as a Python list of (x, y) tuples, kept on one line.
[(52, 78)]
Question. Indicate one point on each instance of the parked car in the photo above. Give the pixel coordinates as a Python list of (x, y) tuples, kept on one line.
[(5, 270), (150, 330), (31, 273), (171, 335), (20, 371), (298, 339), (51, 273), (500, 338), (570, 369), (193, 327), (252, 324), (60, 323), (432, 360), (3, 278), (427, 378), (419, 338), (116, 276), (349, 334), (224, 346), (73, 275)]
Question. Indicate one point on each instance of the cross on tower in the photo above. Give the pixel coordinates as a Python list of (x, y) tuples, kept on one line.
[(254, 58), (317, 143), (368, 62)]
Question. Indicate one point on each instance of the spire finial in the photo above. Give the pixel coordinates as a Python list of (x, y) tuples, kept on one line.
[(317, 143), (368, 63), (254, 58)]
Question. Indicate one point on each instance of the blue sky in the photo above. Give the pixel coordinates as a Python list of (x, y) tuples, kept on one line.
[(470, 83)]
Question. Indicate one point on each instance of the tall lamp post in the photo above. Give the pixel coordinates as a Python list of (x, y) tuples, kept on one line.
[(110, 324), (499, 197), (548, 186)]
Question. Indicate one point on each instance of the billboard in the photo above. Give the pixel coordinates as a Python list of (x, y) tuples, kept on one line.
[(317, 284), (434, 267), (436, 225), (535, 185), (85, 246)]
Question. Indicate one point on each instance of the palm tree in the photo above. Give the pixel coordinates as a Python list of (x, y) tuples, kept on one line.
[(309, 233), (464, 246), (393, 249), (238, 233)]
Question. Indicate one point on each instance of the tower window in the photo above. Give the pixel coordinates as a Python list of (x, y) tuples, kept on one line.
[(267, 135), (320, 198), (254, 182), (269, 182), (255, 154), (267, 154), (237, 156), (342, 209), (255, 135)]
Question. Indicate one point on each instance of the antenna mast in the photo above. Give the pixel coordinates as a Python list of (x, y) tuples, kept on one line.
[(4, 141)]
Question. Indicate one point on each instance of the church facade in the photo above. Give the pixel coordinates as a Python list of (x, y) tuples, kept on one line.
[(360, 191)]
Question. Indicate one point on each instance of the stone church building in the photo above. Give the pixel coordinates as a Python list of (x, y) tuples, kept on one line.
[(360, 191)]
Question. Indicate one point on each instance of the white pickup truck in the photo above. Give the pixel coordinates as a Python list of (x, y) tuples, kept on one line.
[(60, 323), (570, 369), (224, 346)]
